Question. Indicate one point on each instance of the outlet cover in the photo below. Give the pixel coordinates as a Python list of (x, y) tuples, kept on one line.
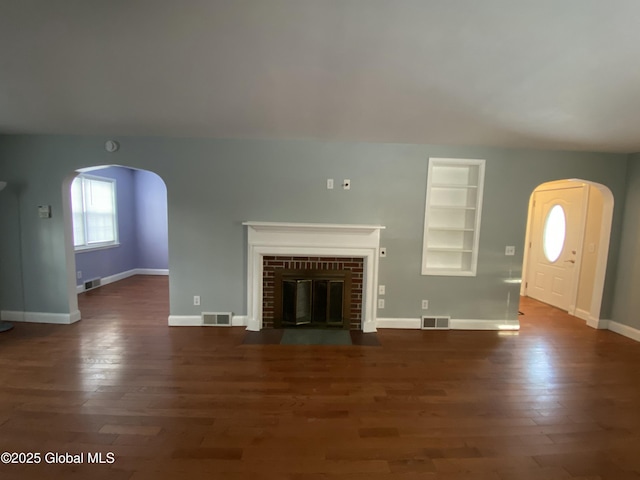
[(329, 183), (381, 303), (381, 289), (425, 304), (196, 299), (510, 251)]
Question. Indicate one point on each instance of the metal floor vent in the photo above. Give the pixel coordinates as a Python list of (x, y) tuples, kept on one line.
[(96, 282), (435, 323), (219, 319)]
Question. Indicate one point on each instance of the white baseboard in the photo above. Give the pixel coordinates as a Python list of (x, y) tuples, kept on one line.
[(454, 323), (240, 321), (625, 330), (582, 314), (185, 321), (151, 271), (404, 323), (122, 275), (40, 317), (470, 324), (196, 321)]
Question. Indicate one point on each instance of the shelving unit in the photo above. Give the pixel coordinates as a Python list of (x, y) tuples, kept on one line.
[(452, 216)]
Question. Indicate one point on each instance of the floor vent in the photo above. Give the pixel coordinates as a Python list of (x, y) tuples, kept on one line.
[(91, 284), (217, 319), (435, 323)]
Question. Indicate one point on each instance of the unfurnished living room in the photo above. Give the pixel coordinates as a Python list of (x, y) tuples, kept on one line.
[(320, 239)]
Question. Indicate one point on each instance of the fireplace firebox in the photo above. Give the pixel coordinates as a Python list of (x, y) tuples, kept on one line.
[(317, 292), (316, 298)]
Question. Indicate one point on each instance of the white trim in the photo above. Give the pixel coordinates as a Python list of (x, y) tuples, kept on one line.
[(122, 275), (471, 324), (40, 317), (582, 314), (598, 324), (196, 321), (312, 239), (96, 247), (454, 324), (404, 323), (185, 320), (625, 330), (239, 321), (151, 271)]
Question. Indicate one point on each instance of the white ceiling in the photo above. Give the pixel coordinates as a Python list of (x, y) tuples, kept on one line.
[(559, 74)]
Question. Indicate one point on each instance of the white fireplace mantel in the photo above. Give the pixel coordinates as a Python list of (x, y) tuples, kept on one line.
[(312, 239)]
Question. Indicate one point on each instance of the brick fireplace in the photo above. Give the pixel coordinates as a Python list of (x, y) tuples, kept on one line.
[(299, 246), (275, 266)]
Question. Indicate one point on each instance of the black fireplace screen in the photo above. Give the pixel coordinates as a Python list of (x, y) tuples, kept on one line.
[(312, 301)]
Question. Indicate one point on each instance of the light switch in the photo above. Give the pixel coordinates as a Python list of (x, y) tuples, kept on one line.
[(510, 251)]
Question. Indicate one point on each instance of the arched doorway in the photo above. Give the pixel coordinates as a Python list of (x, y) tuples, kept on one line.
[(567, 246), (140, 243)]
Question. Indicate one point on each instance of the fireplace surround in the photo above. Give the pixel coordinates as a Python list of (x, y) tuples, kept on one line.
[(335, 241), (334, 285)]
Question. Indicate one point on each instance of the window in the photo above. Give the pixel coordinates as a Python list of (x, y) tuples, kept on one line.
[(93, 204), (555, 229)]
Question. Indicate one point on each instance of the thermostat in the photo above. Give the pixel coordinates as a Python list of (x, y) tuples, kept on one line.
[(44, 211)]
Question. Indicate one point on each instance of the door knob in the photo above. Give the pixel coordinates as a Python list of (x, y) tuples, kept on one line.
[(570, 261)]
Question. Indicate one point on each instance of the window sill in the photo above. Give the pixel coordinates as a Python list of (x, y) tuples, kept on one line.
[(94, 248)]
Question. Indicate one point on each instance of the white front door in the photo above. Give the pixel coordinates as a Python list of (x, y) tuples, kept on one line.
[(557, 232)]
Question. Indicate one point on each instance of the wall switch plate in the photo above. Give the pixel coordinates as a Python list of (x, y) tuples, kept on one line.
[(381, 303), (329, 183), (383, 252), (381, 289), (510, 251), (196, 299), (346, 184), (79, 274), (425, 304)]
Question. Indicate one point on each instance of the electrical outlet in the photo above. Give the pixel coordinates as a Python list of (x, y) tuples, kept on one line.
[(196, 299), (381, 289), (425, 304), (346, 184), (510, 251), (79, 274), (329, 183), (381, 303), (383, 252)]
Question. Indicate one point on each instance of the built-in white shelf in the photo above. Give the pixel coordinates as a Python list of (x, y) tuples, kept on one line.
[(452, 216)]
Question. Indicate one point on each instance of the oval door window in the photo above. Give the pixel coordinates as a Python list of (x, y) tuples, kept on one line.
[(555, 231)]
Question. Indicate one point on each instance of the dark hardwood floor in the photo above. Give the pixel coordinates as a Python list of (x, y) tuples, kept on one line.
[(556, 400)]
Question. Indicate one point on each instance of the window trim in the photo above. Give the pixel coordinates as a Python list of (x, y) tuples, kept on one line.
[(87, 247)]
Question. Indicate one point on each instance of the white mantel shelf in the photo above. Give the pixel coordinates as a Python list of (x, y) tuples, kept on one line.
[(312, 239), (324, 227)]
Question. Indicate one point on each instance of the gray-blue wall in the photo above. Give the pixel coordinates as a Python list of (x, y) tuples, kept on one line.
[(215, 185), (627, 284)]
